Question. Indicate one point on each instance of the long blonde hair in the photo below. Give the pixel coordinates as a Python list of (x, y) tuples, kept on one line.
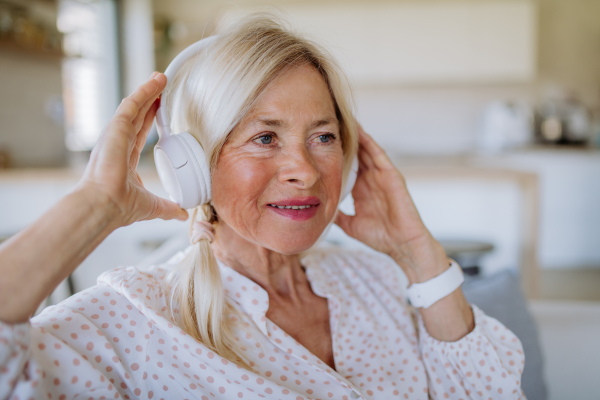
[(210, 95)]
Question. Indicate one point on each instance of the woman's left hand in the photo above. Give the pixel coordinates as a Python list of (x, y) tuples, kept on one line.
[(386, 218)]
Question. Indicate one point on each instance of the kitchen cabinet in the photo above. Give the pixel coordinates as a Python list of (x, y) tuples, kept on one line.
[(388, 43), (569, 179), (569, 199)]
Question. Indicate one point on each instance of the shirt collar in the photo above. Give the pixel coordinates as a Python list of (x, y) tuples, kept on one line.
[(254, 300)]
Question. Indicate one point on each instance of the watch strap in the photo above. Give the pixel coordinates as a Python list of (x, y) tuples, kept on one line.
[(423, 295)]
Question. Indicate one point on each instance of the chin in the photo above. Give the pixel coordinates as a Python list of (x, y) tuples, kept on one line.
[(291, 244)]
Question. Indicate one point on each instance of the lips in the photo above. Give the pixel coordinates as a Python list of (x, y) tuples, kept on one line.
[(297, 209)]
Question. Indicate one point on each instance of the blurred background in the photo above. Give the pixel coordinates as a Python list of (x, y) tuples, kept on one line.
[(491, 109)]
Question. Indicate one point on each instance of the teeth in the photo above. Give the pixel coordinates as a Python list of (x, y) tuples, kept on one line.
[(291, 207)]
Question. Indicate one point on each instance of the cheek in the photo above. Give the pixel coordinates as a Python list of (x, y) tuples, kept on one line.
[(332, 178), (237, 183)]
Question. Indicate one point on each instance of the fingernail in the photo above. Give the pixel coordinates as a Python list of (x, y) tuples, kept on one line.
[(153, 75)]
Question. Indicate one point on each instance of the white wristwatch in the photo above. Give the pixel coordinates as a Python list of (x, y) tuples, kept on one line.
[(423, 295)]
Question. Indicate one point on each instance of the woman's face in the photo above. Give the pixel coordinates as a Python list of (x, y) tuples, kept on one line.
[(286, 151)]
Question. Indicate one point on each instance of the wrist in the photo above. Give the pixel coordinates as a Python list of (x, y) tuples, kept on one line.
[(427, 293), (101, 206), (422, 259)]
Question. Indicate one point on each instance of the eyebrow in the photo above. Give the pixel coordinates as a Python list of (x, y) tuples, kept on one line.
[(279, 123)]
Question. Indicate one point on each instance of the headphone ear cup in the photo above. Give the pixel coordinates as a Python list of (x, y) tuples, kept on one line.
[(200, 166), (351, 180), (183, 170)]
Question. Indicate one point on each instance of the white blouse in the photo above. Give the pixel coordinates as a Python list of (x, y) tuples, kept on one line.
[(116, 341)]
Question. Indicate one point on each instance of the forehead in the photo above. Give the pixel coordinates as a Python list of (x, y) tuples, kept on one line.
[(298, 95)]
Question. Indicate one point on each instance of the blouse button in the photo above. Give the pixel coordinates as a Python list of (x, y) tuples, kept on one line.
[(354, 395)]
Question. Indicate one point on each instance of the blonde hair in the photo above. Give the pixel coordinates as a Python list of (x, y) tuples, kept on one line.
[(210, 95)]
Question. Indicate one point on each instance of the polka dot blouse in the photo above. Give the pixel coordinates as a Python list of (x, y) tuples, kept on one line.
[(116, 341)]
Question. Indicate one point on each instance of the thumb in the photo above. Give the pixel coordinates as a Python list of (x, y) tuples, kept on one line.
[(168, 210), (343, 221)]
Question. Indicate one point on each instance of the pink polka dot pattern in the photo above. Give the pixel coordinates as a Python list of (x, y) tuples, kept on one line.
[(118, 341)]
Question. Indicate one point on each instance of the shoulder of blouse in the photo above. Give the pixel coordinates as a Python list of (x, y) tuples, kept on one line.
[(363, 264), (331, 253), (120, 278), (138, 287), (324, 256)]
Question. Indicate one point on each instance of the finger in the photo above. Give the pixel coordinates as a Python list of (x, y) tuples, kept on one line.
[(145, 128), (139, 119), (131, 105), (362, 150), (378, 156), (363, 157), (167, 210), (140, 140), (362, 168)]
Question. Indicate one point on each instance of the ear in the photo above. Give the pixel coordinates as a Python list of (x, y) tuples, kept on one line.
[(214, 217)]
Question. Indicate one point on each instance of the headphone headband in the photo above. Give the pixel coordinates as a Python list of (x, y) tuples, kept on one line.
[(163, 121)]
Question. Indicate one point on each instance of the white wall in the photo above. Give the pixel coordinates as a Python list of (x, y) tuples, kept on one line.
[(440, 117), (430, 120), (30, 84)]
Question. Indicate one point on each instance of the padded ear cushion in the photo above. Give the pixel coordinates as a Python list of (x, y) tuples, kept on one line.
[(351, 179), (200, 165)]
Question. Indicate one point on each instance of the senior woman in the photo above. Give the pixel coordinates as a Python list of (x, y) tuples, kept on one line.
[(249, 310)]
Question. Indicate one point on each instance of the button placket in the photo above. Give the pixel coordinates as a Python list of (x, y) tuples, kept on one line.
[(317, 288), (298, 351)]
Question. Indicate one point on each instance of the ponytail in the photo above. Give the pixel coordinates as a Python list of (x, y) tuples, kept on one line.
[(196, 298)]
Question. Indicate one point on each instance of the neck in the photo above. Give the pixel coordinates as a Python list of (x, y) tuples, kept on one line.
[(280, 275)]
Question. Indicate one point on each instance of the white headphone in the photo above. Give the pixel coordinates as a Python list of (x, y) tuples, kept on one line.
[(180, 161)]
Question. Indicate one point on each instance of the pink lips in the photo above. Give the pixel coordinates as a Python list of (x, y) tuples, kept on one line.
[(297, 215)]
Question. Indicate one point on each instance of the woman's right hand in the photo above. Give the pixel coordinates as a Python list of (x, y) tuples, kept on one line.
[(109, 195), (111, 171)]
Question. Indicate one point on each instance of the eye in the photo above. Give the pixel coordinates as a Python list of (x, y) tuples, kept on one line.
[(265, 139), (326, 137)]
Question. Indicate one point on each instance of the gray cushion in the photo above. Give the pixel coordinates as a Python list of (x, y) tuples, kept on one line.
[(500, 297)]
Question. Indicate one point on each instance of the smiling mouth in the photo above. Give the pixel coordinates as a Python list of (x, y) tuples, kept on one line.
[(293, 207)]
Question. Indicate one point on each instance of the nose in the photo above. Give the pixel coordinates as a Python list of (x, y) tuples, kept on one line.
[(298, 168)]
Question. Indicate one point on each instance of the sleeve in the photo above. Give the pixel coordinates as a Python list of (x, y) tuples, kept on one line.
[(15, 365), (90, 345), (37, 362), (486, 363)]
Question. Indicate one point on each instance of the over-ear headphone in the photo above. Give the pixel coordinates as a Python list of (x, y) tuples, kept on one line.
[(180, 161)]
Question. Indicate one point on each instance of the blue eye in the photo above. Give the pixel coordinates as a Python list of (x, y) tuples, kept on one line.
[(329, 136), (266, 139)]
